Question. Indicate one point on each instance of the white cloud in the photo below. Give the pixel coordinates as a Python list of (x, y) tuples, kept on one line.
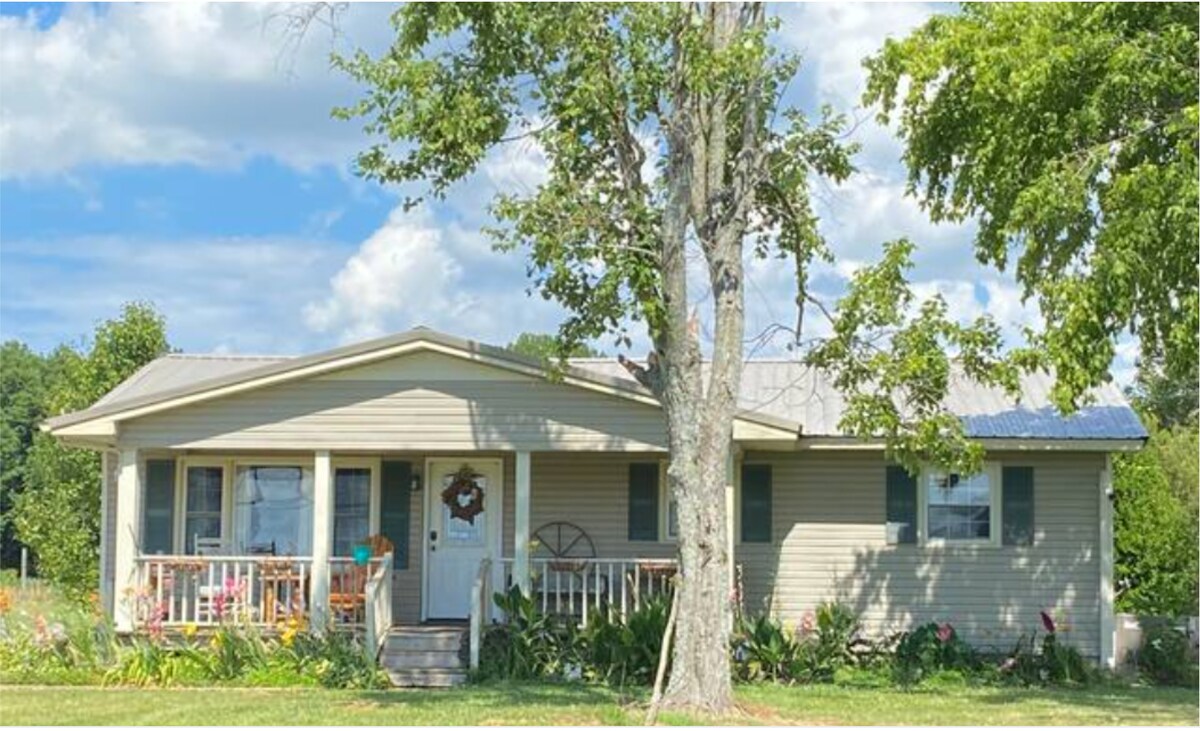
[(414, 271), (203, 84), (239, 294), (401, 271)]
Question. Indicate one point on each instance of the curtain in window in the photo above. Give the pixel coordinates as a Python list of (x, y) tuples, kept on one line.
[(274, 510), (352, 509)]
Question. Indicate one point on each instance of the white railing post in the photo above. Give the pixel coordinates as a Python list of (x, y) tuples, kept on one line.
[(377, 605), (479, 609), (127, 540), (322, 540)]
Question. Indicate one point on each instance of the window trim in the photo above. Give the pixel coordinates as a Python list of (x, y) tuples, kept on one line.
[(182, 464), (664, 506), (375, 502), (994, 471)]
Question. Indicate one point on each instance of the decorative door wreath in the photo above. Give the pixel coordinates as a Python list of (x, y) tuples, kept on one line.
[(464, 496)]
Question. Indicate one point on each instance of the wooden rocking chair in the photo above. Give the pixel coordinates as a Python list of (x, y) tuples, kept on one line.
[(348, 586)]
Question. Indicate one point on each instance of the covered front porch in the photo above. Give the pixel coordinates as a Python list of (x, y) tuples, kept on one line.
[(200, 538)]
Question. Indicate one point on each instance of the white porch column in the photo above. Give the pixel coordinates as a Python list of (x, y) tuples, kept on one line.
[(322, 543), (1107, 598), (127, 539), (107, 493), (521, 524), (731, 518)]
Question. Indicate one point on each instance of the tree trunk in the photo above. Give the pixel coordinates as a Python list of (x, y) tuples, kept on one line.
[(700, 420)]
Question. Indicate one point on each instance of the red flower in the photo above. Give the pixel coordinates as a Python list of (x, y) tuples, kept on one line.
[(945, 633), (1048, 623)]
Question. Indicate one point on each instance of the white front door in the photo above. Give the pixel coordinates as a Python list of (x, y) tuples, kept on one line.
[(458, 539)]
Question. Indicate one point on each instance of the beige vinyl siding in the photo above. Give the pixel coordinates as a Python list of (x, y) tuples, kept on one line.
[(374, 414), (591, 491), (829, 542)]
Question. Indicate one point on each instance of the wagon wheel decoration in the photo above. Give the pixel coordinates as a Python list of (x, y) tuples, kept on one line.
[(565, 544), (463, 496)]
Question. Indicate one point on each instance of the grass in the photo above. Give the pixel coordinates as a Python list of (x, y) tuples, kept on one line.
[(545, 704)]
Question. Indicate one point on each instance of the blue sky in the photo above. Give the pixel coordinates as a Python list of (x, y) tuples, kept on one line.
[(185, 155)]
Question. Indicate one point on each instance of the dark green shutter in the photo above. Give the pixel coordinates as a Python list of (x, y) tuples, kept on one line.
[(158, 512), (901, 506), (1016, 506), (395, 508), (756, 503), (643, 501)]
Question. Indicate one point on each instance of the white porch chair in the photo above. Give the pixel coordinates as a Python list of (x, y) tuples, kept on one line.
[(209, 583)]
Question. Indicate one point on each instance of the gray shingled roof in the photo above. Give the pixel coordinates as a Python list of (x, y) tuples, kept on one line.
[(782, 389)]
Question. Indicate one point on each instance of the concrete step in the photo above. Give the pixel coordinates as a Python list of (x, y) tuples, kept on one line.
[(427, 678), (414, 659)]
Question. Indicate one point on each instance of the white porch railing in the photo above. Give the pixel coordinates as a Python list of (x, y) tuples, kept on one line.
[(262, 591), (481, 608), (173, 591), (574, 587), (378, 605)]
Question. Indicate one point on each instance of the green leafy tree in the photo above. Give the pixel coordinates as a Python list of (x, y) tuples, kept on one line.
[(58, 513), (1069, 132), (1156, 521), (546, 347), (1169, 400), (665, 140), (22, 406)]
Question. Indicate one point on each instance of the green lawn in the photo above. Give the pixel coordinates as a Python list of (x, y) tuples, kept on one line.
[(562, 705)]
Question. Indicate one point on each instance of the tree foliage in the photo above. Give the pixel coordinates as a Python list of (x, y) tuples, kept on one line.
[(665, 142), (1069, 131), (22, 406), (545, 346), (57, 514), (1156, 524)]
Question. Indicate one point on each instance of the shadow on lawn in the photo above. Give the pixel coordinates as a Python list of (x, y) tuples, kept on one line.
[(1111, 698), (533, 694)]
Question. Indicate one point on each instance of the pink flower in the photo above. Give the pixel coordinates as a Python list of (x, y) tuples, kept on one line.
[(945, 633), (1047, 622), (807, 623)]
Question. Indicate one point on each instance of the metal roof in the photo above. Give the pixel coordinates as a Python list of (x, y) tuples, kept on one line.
[(780, 391)]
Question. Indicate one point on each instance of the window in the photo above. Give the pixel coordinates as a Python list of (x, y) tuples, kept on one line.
[(274, 509), (351, 508), (960, 508), (158, 507), (756, 503), (643, 503), (202, 519)]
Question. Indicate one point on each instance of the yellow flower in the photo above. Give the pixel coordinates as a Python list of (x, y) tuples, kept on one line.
[(190, 630)]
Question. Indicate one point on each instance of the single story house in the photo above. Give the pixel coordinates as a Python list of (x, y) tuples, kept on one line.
[(249, 482)]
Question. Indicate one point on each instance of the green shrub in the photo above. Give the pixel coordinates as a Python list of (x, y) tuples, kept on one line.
[(834, 642), (1165, 657), (1053, 662), (929, 649), (527, 645), (331, 659), (229, 653), (763, 650), (146, 662), (611, 649)]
